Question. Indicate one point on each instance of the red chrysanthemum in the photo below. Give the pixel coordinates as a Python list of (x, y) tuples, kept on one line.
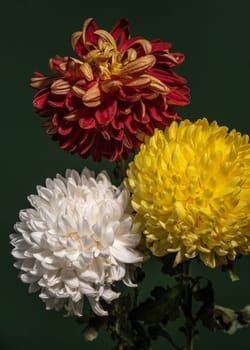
[(121, 89)]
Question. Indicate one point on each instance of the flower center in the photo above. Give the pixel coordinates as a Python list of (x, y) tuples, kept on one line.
[(105, 60), (74, 235), (83, 242)]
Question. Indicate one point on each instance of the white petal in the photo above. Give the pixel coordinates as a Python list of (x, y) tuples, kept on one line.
[(49, 183), (60, 253), (50, 242), (71, 187), (14, 236), (28, 264), (33, 287), (125, 225), (96, 307), (77, 296), (89, 276), (74, 308), (23, 216), (125, 255), (37, 201), (37, 225), (44, 192), (83, 227), (72, 256), (27, 238), (73, 175), (86, 173), (69, 277), (40, 255), (21, 244), (130, 239), (108, 295), (108, 235), (18, 264), (87, 241), (20, 227), (49, 266), (34, 249), (64, 225), (117, 272), (48, 216), (18, 254), (87, 290), (59, 185), (85, 258), (76, 241), (27, 278), (127, 280), (37, 237)]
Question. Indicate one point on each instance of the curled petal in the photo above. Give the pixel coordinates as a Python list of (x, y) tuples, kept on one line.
[(186, 201), (141, 82), (74, 40), (120, 31), (41, 98), (88, 32), (60, 87), (118, 90), (105, 115), (138, 65), (86, 69), (67, 246), (92, 96), (107, 37), (78, 91), (110, 86), (40, 81)]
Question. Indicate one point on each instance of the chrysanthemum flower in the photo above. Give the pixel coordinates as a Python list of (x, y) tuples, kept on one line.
[(191, 192), (76, 241), (120, 89)]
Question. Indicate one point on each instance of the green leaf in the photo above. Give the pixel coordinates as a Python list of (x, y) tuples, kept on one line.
[(162, 307), (205, 294), (139, 275)]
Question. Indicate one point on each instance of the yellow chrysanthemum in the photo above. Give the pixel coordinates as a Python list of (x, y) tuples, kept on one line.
[(191, 192)]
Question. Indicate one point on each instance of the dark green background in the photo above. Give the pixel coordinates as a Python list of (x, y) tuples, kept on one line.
[(214, 35)]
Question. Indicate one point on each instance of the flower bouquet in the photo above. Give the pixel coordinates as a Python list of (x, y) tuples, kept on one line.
[(183, 196)]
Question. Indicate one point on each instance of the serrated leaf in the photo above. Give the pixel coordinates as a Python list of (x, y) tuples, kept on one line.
[(165, 305)]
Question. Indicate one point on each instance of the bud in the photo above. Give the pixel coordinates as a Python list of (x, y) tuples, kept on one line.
[(90, 334)]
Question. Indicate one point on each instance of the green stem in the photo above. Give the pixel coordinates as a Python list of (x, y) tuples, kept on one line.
[(187, 307)]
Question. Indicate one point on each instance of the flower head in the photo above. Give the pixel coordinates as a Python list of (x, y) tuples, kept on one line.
[(191, 191), (76, 241), (119, 90)]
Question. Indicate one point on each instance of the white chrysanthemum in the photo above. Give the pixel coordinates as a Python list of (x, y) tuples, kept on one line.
[(76, 241)]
